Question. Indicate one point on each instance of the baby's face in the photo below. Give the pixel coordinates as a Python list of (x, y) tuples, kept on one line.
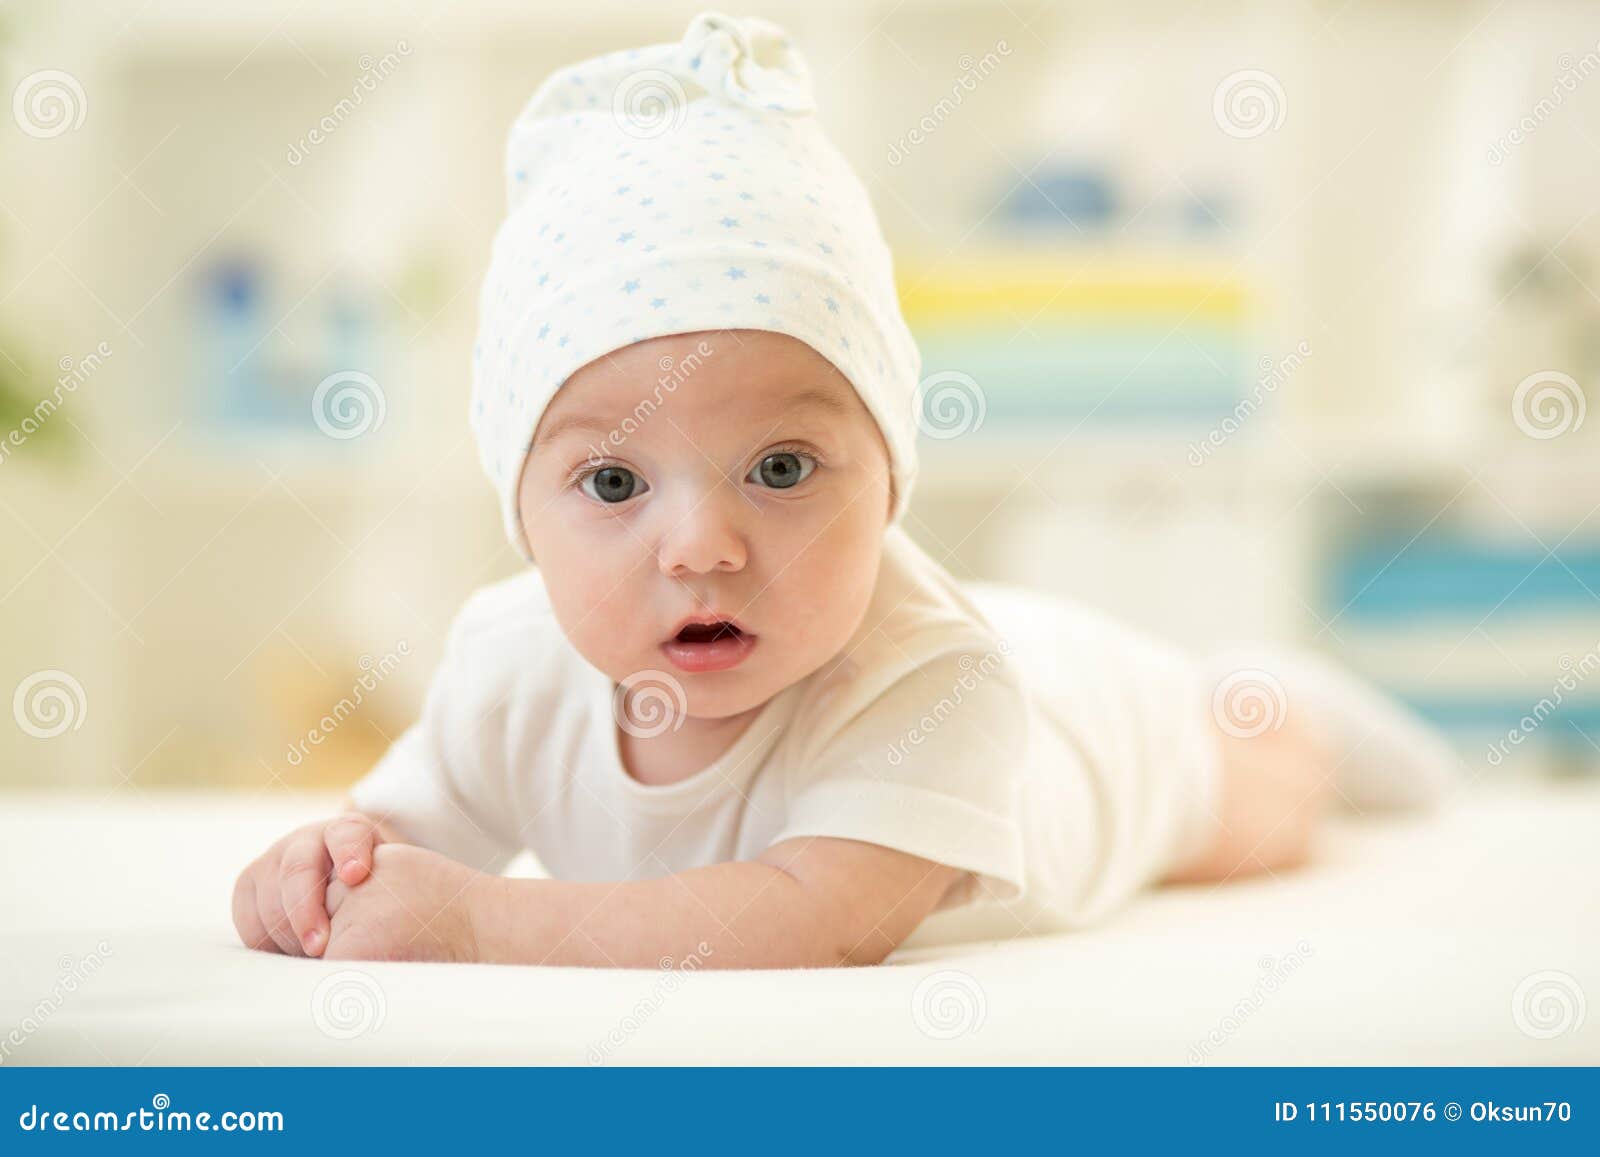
[(727, 475)]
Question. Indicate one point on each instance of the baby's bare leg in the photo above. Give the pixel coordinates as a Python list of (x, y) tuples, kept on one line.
[(1275, 790)]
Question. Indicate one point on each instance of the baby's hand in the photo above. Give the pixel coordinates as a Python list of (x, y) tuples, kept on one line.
[(280, 900), (418, 905)]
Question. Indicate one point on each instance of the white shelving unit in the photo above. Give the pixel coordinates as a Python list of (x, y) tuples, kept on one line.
[(183, 595)]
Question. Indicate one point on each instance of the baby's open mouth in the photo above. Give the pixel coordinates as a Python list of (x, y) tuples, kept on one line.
[(707, 632), (709, 645)]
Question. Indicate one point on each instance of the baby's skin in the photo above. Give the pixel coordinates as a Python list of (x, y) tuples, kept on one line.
[(759, 488)]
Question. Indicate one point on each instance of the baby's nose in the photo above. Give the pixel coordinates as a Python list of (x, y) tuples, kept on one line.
[(703, 539)]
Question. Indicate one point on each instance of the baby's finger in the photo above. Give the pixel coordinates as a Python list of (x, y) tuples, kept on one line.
[(246, 921), (303, 882), (269, 910), (338, 893), (350, 841)]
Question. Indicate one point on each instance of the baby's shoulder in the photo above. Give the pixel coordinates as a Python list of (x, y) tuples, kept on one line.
[(922, 640), (506, 633), (516, 604)]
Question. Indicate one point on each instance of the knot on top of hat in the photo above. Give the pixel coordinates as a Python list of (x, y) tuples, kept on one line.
[(749, 61)]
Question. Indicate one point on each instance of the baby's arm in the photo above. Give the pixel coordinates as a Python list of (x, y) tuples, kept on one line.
[(806, 902)]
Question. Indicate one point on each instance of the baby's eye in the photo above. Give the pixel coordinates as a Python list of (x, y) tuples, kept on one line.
[(782, 470), (612, 484)]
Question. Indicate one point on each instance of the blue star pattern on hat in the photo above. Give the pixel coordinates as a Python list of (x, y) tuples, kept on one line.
[(676, 188)]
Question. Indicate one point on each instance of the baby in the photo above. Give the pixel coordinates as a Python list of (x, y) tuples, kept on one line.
[(735, 711)]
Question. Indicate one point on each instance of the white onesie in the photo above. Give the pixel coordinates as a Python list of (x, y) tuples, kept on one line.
[(1058, 758)]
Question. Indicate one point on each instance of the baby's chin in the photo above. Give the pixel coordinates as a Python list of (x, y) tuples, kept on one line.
[(720, 695), (771, 667), (735, 696), (708, 696)]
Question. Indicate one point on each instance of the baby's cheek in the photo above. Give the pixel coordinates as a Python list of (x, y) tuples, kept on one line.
[(603, 623), (827, 591)]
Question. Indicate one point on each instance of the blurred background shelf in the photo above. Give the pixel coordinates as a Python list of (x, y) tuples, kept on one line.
[(1225, 379)]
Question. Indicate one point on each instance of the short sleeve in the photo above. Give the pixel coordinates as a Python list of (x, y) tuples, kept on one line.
[(933, 767), (435, 785)]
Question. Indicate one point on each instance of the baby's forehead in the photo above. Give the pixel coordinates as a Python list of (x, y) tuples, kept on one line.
[(728, 383), (753, 371)]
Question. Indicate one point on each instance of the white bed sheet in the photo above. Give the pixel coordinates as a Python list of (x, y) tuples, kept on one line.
[(1470, 937)]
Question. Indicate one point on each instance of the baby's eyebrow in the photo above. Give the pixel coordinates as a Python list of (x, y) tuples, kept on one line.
[(571, 422), (819, 399), (812, 398)]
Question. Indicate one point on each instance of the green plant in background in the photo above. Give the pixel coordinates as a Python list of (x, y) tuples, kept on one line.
[(26, 428)]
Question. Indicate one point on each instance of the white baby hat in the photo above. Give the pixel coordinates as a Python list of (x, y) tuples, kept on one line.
[(676, 188)]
